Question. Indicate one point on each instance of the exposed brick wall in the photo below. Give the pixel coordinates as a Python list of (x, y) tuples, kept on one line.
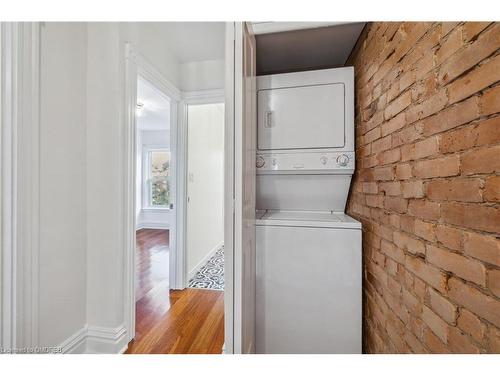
[(427, 185)]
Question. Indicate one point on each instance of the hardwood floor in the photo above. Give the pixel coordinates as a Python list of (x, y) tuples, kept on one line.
[(190, 321)]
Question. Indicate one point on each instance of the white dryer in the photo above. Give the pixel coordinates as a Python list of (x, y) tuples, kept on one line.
[(308, 251)]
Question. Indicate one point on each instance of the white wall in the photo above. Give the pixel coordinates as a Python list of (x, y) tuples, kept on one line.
[(150, 218), (62, 284), (83, 168), (205, 220), (105, 158), (202, 75)]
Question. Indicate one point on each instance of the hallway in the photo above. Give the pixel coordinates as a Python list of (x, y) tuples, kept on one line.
[(189, 321)]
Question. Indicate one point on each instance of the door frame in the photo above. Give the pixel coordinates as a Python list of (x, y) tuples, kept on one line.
[(20, 67), (188, 98), (137, 66)]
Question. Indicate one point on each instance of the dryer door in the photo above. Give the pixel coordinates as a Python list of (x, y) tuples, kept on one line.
[(301, 117)]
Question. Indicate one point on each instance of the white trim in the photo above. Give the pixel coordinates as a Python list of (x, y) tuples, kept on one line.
[(94, 339), (146, 175), (20, 62), (105, 340), (205, 259), (136, 65), (229, 191), (205, 96), (152, 225), (76, 343), (278, 27)]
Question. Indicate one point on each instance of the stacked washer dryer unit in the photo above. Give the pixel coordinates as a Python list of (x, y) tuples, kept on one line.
[(308, 260)]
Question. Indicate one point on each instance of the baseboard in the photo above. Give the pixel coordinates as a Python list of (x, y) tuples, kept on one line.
[(106, 340), (96, 340), (202, 262), (151, 225), (76, 343)]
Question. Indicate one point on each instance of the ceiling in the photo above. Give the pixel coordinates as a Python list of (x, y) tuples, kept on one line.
[(326, 47), (194, 41), (155, 111)]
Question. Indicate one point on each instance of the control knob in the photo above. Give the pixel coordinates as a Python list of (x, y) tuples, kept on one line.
[(260, 162), (342, 160), (323, 160)]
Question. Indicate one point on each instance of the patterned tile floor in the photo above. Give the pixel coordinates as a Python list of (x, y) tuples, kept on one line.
[(211, 275)]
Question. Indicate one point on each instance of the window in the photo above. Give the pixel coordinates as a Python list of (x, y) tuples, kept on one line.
[(157, 181)]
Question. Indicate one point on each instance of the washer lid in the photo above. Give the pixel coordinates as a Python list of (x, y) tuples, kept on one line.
[(321, 219)]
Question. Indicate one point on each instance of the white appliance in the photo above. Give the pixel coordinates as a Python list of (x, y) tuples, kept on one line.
[(308, 251)]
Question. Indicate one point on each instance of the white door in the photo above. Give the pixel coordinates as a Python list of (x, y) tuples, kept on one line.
[(239, 205)]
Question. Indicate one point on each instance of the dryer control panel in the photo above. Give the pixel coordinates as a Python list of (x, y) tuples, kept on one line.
[(306, 162)]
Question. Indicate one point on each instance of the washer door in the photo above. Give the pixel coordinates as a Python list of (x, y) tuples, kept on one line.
[(301, 117)]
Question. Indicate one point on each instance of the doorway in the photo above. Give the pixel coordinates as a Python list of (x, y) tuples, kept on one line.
[(205, 196)]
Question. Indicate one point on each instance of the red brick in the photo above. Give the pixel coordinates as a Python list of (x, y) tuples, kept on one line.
[(461, 266), (425, 230), (390, 188), (483, 133), (494, 339), (375, 200), (452, 117), (428, 273), (413, 189), (442, 167), (471, 216), (441, 306), (381, 144), (393, 124), (472, 29), (488, 132), (460, 343), (485, 248), (414, 343), (421, 149), (403, 171), (407, 135), (393, 252), (396, 204), (476, 80), (390, 156), (483, 47), (490, 101), (450, 46), (370, 161), (433, 343), (408, 243), (494, 282), (370, 187), (492, 189), (391, 267), (424, 209), (464, 190), (446, 27), (371, 135), (469, 323), (485, 160), (435, 323), (397, 105), (411, 302), (428, 107), (449, 237), (480, 304), (383, 174)]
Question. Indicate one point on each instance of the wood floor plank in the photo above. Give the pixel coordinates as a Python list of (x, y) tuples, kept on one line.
[(190, 321)]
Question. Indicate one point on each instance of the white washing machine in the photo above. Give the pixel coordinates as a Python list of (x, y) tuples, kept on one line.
[(308, 251)]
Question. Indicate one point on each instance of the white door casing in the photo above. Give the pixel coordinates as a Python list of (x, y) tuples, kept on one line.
[(136, 65), (240, 188)]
